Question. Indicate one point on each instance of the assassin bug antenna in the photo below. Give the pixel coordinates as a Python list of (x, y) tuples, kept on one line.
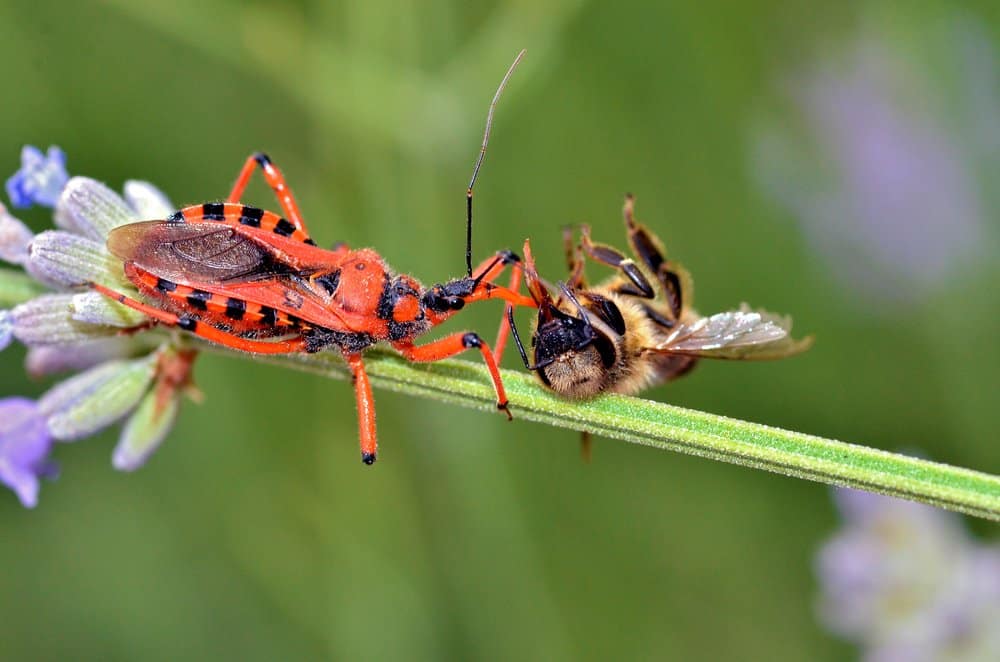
[(479, 162)]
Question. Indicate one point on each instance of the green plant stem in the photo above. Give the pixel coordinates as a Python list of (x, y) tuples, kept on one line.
[(674, 428)]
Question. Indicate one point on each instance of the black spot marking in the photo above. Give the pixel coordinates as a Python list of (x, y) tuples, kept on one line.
[(284, 228), (268, 315), (198, 299), (368, 458), (472, 340), (176, 217), (164, 285), (251, 216), (386, 301), (213, 211), (330, 282), (262, 159), (309, 242), (235, 308), (187, 322)]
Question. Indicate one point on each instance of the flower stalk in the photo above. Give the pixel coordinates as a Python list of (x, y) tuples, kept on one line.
[(668, 427)]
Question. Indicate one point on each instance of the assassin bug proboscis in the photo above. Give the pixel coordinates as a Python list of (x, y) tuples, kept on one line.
[(254, 281)]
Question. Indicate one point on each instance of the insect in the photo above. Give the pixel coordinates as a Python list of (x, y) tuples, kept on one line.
[(255, 281), (636, 329)]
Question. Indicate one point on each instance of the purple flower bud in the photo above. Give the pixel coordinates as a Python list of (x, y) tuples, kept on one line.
[(878, 163), (24, 449), (96, 308), (89, 402), (145, 430), (45, 360), (903, 578), (66, 260), (48, 320), (14, 238), (41, 178), (147, 201), (6, 329), (89, 208)]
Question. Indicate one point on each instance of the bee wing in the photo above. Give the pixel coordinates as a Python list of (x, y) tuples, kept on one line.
[(194, 252), (738, 334)]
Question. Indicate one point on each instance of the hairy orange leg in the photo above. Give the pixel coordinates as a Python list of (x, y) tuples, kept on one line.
[(366, 407), (490, 269), (277, 183), (207, 331), (449, 346)]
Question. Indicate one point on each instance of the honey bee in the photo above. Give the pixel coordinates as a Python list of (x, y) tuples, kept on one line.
[(637, 329)]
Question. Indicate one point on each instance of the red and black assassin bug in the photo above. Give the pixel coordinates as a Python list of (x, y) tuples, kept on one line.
[(254, 281)]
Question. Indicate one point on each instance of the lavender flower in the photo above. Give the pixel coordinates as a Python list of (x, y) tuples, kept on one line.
[(41, 178), (14, 238), (6, 329), (138, 377), (24, 449), (908, 582), (881, 173)]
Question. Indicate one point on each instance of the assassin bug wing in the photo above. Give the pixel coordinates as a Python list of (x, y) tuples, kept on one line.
[(739, 334), (293, 296), (193, 252), (229, 262), (217, 252)]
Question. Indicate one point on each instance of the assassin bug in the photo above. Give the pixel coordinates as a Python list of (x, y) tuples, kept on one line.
[(636, 329), (254, 281)]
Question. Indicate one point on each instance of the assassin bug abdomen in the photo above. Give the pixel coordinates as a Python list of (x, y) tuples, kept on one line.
[(254, 281)]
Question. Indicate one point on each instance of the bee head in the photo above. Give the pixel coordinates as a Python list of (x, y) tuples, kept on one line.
[(572, 356)]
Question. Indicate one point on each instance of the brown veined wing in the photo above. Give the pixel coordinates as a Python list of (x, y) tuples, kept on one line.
[(193, 252), (739, 334)]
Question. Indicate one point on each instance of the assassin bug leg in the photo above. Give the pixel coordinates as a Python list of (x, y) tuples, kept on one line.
[(454, 344), (366, 408), (490, 269), (277, 183), (207, 331)]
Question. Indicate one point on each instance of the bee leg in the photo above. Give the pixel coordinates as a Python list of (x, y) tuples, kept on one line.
[(574, 261), (586, 446), (275, 180), (613, 258)]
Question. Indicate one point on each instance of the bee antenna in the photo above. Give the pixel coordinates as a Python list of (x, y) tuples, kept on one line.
[(579, 307), (479, 162), (517, 340)]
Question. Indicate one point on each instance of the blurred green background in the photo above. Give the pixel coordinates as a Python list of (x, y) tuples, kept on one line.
[(255, 533)]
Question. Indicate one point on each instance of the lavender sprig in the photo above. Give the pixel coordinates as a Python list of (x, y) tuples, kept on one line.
[(126, 371)]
